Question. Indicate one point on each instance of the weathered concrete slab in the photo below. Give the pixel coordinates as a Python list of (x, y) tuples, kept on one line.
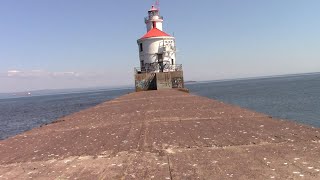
[(164, 135), (164, 80), (145, 81), (177, 79)]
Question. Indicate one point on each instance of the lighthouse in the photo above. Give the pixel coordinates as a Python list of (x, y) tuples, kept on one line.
[(157, 57), (157, 50)]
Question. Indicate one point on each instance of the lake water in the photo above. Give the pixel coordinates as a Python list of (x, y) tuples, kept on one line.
[(21, 114), (293, 97)]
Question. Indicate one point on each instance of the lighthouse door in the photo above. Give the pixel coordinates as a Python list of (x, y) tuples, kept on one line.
[(160, 61)]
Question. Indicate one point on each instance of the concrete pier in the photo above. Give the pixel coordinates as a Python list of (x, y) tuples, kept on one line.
[(165, 134)]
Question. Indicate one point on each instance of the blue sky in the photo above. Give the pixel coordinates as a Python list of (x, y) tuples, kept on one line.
[(53, 44)]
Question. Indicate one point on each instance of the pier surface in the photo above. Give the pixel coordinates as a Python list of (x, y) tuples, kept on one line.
[(165, 134)]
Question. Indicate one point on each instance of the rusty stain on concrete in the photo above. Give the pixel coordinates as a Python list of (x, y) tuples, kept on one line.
[(164, 134)]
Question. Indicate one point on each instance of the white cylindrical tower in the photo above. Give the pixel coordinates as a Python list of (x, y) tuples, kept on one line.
[(157, 49), (153, 18)]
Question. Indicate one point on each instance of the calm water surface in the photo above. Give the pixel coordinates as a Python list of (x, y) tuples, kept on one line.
[(296, 98), (22, 114)]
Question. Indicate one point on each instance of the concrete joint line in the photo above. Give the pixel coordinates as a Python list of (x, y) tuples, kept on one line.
[(169, 166), (148, 98)]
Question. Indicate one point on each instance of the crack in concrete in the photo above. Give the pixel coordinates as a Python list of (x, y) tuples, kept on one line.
[(169, 166)]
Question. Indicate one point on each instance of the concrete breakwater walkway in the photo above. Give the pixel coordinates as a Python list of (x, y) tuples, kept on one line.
[(164, 135)]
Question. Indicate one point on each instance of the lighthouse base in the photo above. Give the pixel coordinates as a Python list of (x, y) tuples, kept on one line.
[(159, 80)]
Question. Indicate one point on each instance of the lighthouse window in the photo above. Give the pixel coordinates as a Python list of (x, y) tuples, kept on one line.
[(141, 48)]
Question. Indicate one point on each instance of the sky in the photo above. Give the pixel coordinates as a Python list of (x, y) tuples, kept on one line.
[(58, 44)]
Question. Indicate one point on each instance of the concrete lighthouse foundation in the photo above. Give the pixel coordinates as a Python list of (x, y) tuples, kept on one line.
[(157, 81)]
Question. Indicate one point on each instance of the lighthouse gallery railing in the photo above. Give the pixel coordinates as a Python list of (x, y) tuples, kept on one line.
[(158, 68)]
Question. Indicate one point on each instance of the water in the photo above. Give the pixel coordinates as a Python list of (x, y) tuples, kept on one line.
[(21, 114), (296, 98)]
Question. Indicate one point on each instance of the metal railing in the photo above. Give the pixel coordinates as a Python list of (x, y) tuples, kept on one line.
[(155, 67), (150, 18)]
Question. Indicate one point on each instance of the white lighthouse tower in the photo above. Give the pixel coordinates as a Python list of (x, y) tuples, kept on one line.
[(157, 50), (157, 55)]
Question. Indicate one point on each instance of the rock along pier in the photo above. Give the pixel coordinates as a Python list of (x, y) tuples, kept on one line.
[(165, 134)]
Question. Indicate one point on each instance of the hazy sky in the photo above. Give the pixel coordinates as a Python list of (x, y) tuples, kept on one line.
[(48, 44)]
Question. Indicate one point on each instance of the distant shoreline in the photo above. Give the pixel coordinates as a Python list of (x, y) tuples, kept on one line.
[(37, 93), (260, 77), (48, 92)]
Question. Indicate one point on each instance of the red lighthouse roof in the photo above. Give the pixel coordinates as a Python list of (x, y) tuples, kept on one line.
[(154, 32)]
